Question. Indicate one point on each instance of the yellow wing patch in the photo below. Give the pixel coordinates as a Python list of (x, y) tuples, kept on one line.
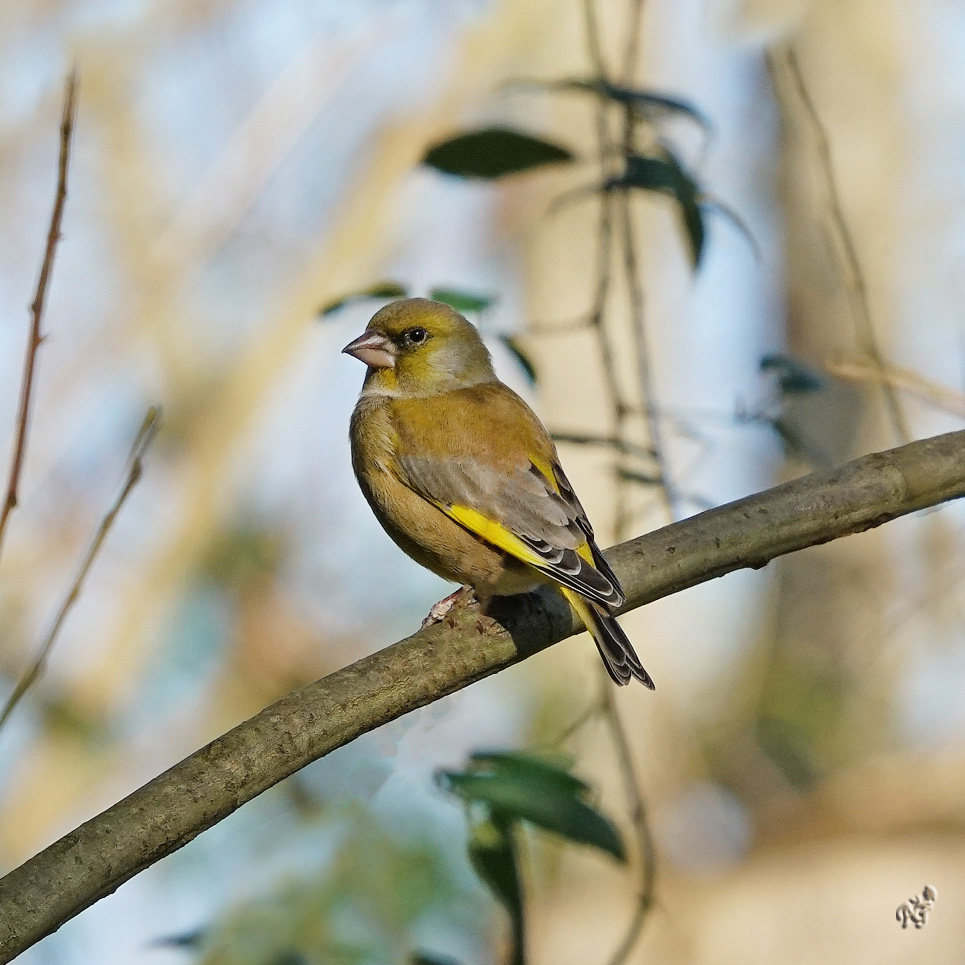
[(492, 532), (502, 538)]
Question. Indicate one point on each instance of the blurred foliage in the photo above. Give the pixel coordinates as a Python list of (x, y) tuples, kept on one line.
[(648, 105), (380, 290), (800, 717), (522, 357), (504, 789), (494, 854), (461, 301), (375, 897), (62, 716), (368, 902), (792, 376), (492, 153), (243, 552), (520, 787), (664, 174)]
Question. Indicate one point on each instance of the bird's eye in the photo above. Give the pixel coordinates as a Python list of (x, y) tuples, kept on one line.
[(416, 336)]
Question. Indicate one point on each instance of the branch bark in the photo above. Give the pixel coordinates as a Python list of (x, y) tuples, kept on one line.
[(92, 861)]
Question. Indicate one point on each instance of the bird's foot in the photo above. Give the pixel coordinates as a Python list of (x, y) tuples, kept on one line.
[(441, 610)]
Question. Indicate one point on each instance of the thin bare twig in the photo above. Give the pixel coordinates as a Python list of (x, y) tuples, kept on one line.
[(33, 673), (611, 442), (36, 336), (548, 330), (925, 390), (593, 45), (854, 276), (632, 51)]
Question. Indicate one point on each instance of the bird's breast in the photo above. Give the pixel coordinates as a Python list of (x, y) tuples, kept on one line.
[(418, 527)]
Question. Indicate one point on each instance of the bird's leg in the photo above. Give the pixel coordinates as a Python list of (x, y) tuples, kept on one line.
[(440, 610)]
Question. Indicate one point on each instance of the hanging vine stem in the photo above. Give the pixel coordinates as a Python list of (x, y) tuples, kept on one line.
[(854, 276), (636, 804), (619, 406), (610, 204), (633, 41), (593, 45), (638, 818), (638, 323), (632, 273)]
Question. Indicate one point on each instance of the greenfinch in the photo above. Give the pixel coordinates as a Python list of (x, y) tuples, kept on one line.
[(465, 478)]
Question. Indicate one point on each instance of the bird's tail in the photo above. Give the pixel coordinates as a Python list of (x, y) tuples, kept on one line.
[(615, 648)]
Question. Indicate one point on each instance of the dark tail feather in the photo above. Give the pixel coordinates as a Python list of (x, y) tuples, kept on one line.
[(615, 648)]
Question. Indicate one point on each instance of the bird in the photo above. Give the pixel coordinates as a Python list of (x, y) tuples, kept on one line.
[(465, 478)]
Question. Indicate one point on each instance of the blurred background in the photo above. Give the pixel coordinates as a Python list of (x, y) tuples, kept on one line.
[(239, 165)]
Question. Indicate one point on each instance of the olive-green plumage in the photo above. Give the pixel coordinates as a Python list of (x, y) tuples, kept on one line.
[(464, 477)]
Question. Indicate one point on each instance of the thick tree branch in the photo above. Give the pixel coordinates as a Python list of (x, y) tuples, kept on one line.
[(91, 862)]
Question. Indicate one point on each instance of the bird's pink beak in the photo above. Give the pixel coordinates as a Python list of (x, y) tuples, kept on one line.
[(374, 349)]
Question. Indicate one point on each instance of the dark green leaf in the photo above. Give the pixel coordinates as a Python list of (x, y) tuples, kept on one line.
[(426, 958), (693, 221), (687, 192), (649, 173), (541, 794), (665, 174), (492, 153), (650, 105), (526, 363), (382, 289), (492, 853), (528, 767), (792, 376), (461, 301)]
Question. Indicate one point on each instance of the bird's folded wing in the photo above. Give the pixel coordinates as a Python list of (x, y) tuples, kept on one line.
[(534, 518)]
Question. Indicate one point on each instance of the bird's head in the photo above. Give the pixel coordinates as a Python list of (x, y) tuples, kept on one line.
[(417, 347)]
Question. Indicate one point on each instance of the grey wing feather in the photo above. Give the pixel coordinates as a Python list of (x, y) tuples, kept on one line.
[(584, 523), (552, 524)]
